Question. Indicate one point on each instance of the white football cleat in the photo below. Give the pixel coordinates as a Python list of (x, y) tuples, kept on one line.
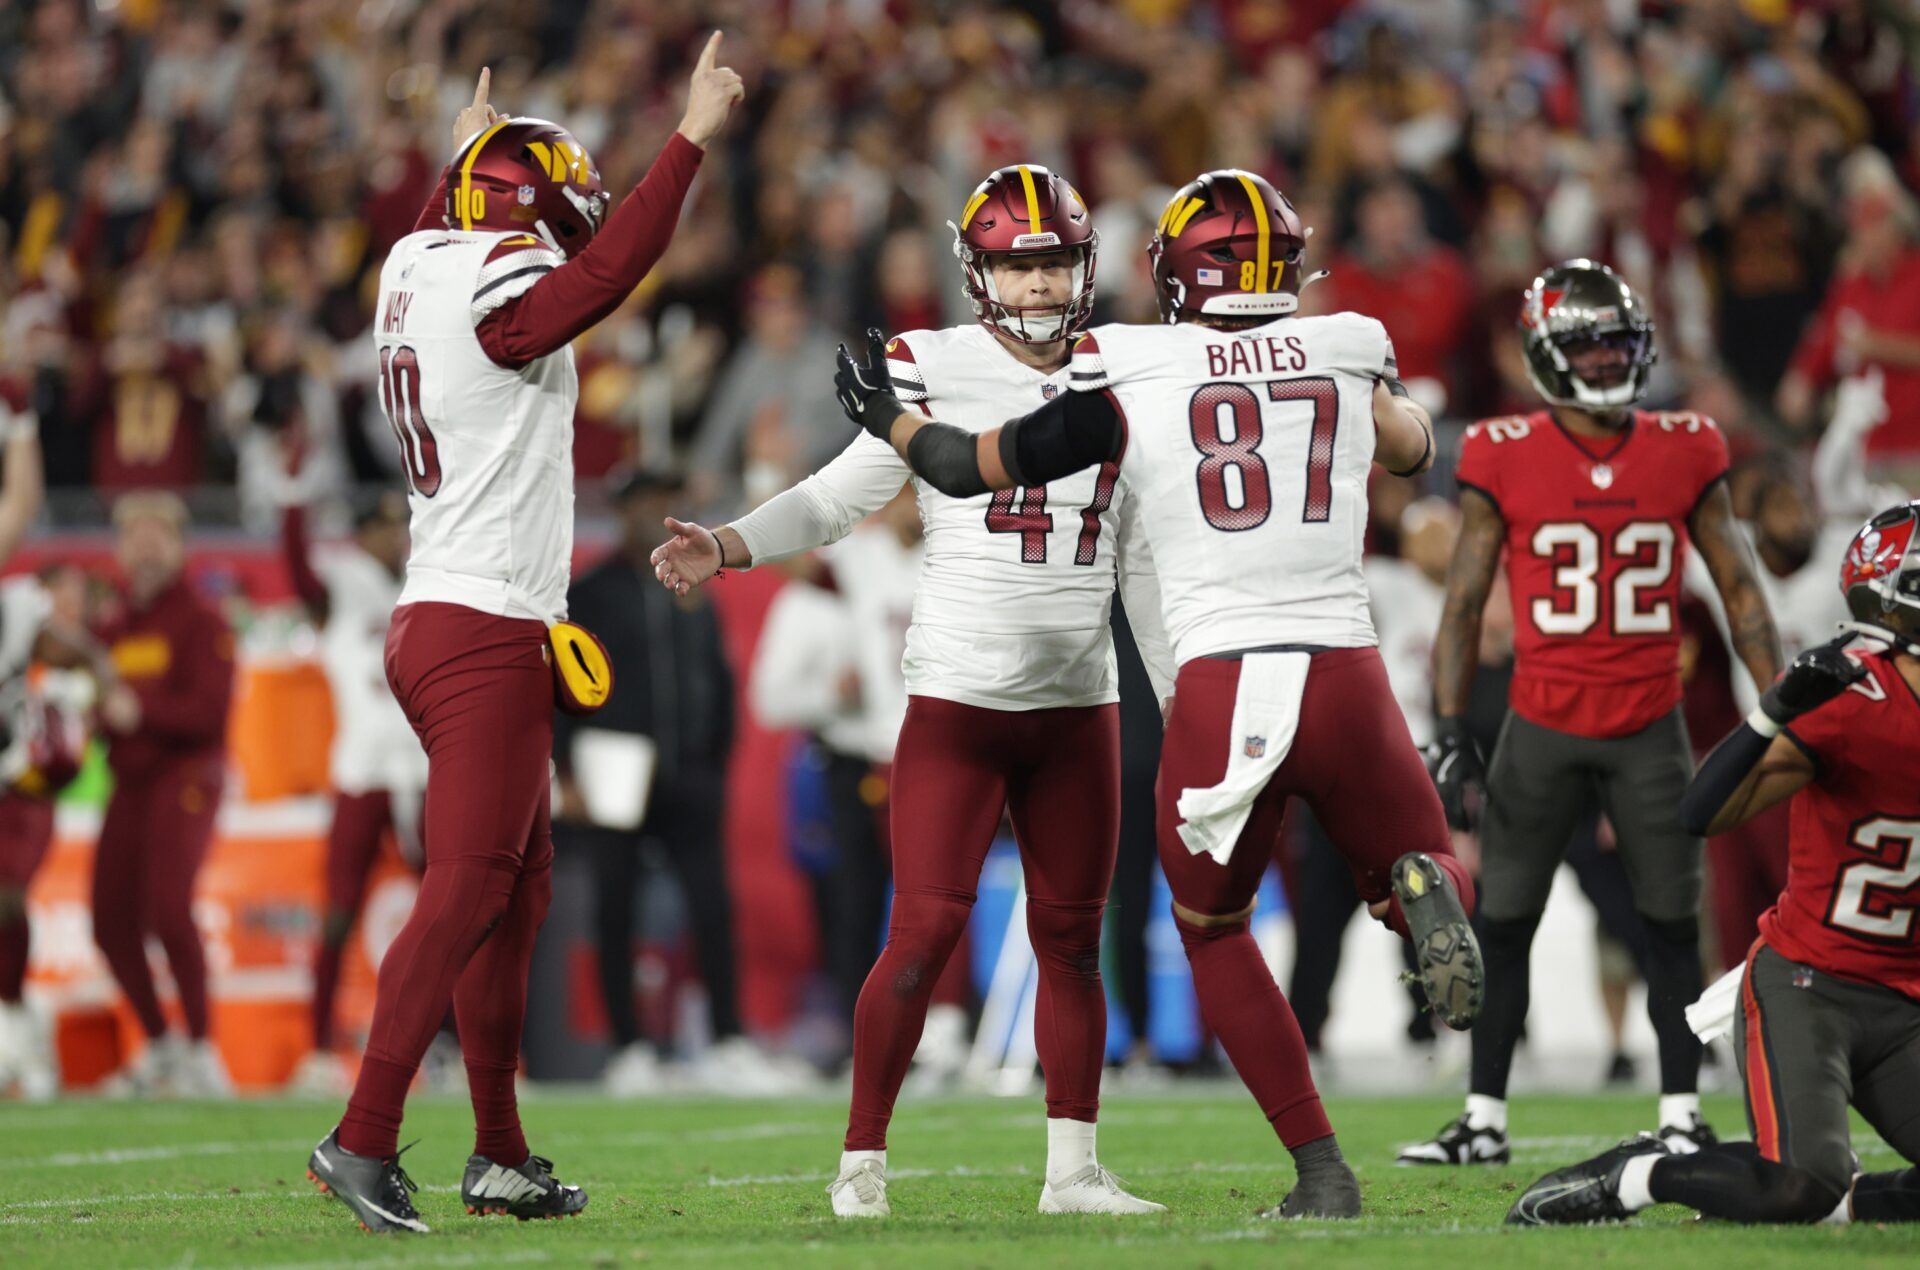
[(861, 1191), (321, 1074), (635, 1071), (153, 1072), (738, 1068), (202, 1073), (1093, 1190)]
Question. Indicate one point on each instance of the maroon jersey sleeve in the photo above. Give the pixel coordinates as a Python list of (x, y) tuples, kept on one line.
[(576, 295)]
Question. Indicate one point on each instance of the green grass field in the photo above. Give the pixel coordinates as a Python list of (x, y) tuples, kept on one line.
[(742, 1184)]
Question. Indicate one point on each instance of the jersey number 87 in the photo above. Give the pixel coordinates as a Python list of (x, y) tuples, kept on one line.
[(1236, 492)]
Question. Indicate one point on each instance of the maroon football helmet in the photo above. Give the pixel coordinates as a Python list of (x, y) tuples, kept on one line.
[(1025, 210), (1881, 573), (1228, 245), (527, 174)]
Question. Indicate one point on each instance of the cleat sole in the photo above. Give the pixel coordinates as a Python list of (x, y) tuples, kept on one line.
[(1451, 969)]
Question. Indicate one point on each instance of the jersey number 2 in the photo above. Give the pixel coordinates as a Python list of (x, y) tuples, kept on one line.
[(1235, 491), (400, 399), (1853, 890), (1033, 522)]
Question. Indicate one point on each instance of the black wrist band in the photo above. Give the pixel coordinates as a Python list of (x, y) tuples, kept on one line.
[(720, 548)]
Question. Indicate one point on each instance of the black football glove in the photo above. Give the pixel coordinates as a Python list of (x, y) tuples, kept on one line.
[(1454, 762), (866, 392), (1816, 677)]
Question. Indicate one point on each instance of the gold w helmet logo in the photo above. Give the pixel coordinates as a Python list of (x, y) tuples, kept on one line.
[(564, 161)]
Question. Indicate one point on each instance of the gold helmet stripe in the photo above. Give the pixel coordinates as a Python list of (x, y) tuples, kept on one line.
[(973, 205), (466, 173), (1033, 199), (1185, 214), (1260, 218)]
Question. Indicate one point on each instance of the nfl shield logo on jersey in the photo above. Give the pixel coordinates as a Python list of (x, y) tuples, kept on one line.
[(527, 193), (1602, 476), (1049, 390), (1803, 976), (1256, 746)]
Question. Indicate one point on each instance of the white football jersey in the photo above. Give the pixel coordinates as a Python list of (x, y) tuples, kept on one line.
[(1015, 590), (488, 451), (1248, 452), (374, 747), (25, 607)]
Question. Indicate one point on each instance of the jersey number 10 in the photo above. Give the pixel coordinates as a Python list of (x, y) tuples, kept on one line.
[(400, 400)]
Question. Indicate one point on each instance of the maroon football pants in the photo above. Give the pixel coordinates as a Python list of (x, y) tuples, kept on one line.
[(1354, 763), (26, 831), (153, 839), (1057, 774), (479, 693)]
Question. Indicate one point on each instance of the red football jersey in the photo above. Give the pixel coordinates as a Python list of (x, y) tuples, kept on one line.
[(1853, 868), (1596, 535)]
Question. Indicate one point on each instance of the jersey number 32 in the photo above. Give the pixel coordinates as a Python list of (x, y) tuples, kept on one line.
[(400, 399)]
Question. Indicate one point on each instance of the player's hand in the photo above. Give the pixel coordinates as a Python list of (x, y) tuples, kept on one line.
[(479, 116), (711, 95), (120, 709), (865, 390), (1816, 677), (1453, 760), (687, 559)]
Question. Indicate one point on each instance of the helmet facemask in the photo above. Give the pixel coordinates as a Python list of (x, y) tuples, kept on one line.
[(1027, 323), (1587, 339)]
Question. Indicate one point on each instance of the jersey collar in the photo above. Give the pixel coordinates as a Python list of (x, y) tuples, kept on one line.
[(1626, 434)]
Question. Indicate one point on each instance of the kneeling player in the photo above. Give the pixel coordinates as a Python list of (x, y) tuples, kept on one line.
[(1829, 1002)]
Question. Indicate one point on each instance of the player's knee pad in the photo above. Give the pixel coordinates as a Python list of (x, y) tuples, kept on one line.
[(1066, 937), (920, 937), (1792, 1194)]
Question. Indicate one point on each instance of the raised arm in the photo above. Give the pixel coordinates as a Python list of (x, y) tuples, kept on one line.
[(1073, 431), (1723, 548), (297, 550), (23, 483)]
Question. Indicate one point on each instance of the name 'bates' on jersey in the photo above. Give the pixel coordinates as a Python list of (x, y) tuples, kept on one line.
[(1248, 453), (1596, 536), (487, 449), (1036, 564)]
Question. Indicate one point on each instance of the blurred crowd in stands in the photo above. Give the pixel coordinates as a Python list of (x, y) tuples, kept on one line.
[(196, 197)]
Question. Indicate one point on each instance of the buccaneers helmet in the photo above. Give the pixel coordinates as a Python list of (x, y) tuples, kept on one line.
[(1881, 573), (1025, 210), (527, 174), (1228, 245), (1571, 309)]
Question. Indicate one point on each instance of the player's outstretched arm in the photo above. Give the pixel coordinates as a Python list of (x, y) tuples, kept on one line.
[(1723, 548), (1073, 431), (1403, 430)]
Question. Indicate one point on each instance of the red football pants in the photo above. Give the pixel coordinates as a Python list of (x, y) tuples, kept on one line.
[(1057, 774), (479, 693), (1354, 763), (26, 831), (360, 821), (153, 839)]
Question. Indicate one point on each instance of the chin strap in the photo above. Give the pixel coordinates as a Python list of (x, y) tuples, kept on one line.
[(1882, 635)]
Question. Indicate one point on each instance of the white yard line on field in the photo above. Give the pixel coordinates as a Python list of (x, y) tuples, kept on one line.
[(144, 1155)]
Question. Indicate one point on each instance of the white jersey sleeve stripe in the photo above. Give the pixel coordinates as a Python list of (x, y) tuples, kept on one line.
[(508, 273)]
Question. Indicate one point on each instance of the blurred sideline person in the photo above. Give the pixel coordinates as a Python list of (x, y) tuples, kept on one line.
[(1825, 1014), (513, 257), (377, 768), (828, 661), (1281, 690), (1011, 675), (166, 729), (674, 689), (1592, 502)]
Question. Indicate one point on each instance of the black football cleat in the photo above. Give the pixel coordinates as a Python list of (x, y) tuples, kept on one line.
[(1451, 971), (378, 1191), (528, 1191), (1331, 1193), (1582, 1193), (1459, 1143)]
